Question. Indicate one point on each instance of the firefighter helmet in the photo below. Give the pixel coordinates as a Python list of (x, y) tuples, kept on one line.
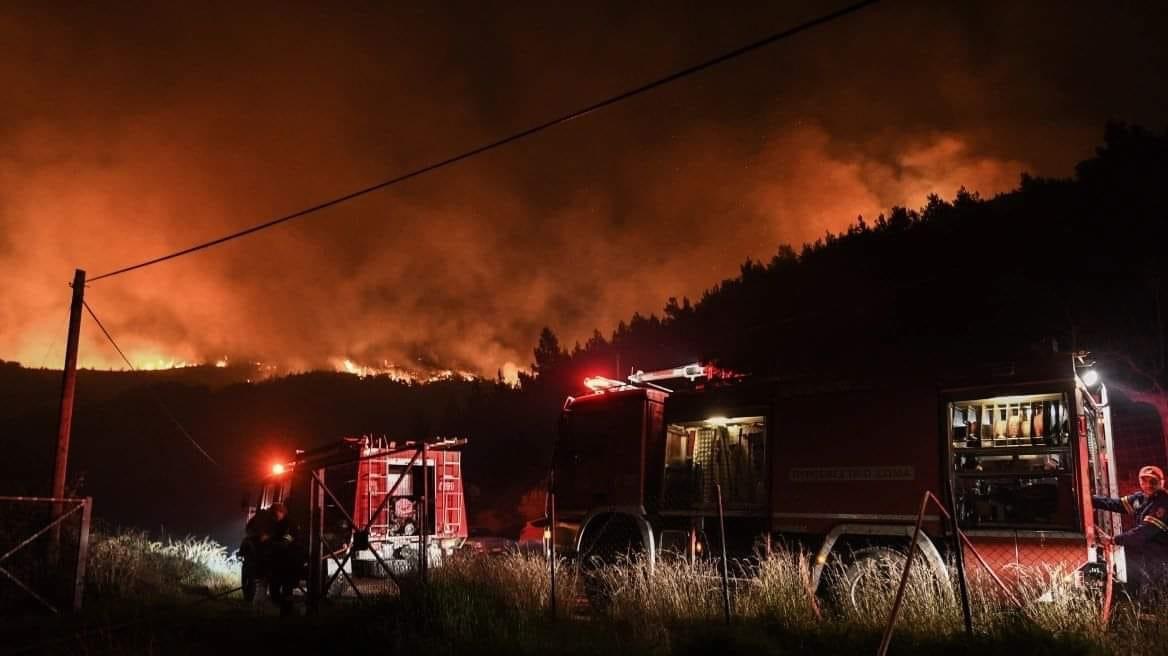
[(1152, 471)]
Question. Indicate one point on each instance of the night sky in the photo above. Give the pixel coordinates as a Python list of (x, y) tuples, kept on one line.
[(129, 132)]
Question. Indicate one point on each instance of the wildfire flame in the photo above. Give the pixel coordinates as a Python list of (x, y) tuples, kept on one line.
[(160, 365), (399, 373), (151, 359)]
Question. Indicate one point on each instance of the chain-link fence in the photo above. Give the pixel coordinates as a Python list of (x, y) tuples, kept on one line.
[(1010, 555), (43, 544), (355, 517), (373, 520)]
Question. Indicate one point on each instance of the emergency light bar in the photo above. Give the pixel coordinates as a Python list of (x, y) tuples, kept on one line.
[(601, 384)]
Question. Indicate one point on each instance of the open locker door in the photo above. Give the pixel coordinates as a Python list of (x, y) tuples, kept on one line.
[(1095, 439)]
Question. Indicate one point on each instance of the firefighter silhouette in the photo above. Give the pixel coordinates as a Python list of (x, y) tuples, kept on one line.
[(270, 552)]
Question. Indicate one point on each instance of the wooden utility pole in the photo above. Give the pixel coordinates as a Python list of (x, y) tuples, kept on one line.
[(65, 419), (68, 387)]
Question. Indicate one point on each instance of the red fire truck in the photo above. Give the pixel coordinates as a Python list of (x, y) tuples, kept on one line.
[(365, 505), (840, 466)]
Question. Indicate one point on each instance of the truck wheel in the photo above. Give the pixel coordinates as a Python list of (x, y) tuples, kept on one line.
[(607, 541), (870, 578), (869, 575), (609, 538)]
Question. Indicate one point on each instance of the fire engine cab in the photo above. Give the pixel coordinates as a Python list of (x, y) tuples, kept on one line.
[(840, 466)]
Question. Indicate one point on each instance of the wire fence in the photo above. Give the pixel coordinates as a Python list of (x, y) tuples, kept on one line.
[(43, 549), (1010, 554), (373, 516)]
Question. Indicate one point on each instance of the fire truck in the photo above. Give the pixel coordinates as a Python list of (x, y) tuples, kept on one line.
[(840, 466), (369, 506)]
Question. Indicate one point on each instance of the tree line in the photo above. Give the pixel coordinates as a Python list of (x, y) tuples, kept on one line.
[(1068, 264)]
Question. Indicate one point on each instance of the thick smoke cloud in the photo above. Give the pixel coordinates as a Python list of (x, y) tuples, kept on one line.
[(126, 135)]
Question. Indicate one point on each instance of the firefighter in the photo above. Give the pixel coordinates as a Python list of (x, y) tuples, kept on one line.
[(268, 552), (1146, 544)]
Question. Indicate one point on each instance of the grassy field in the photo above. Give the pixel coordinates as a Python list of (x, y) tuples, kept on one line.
[(149, 597)]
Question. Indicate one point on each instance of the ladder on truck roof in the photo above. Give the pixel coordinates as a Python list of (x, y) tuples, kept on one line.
[(690, 372)]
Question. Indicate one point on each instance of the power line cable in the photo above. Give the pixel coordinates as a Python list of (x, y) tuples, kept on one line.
[(165, 410), (52, 342), (648, 86)]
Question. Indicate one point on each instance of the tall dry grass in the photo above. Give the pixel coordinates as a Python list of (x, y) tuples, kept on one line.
[(780, 590), (499, 598), (130, 564), (522, 580), (776, 591), (503, 601), (677, 591)]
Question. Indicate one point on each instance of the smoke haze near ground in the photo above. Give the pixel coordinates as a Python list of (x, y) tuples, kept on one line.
[(127, 134)]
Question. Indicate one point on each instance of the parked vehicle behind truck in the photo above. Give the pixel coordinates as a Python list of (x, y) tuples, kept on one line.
[(839, 467)]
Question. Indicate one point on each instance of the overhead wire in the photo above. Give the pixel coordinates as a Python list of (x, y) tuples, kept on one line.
[(53, 341), (559, 120), (564, 118), (165, 410)]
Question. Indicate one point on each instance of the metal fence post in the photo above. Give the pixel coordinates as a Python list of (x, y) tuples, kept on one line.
[(315, 536), (82, 553), (959, 561), (912, 551), (424, 556), (552, 547), (725, 572)]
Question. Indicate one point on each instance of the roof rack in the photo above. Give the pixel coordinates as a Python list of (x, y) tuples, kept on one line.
[(689, 372)]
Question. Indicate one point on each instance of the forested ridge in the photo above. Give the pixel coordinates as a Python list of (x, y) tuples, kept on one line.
[(1071, 264)]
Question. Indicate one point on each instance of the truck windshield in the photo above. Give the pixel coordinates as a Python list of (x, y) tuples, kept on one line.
[(718, 450)]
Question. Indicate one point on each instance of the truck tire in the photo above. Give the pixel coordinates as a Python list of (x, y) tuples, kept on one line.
[(608, 540), (875, 571), (869, 571)]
